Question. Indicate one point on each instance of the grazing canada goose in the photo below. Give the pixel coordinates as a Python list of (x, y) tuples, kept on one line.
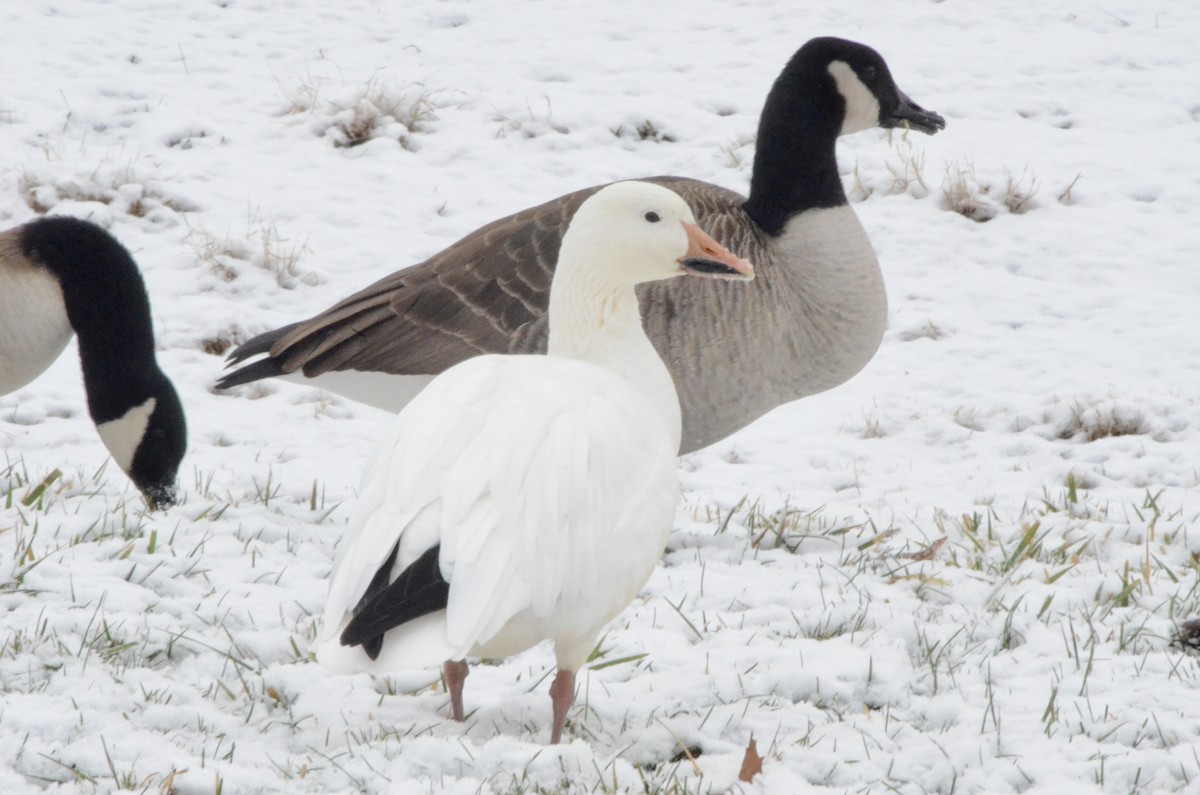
[(527, 498), (812, 319), (60, 276)]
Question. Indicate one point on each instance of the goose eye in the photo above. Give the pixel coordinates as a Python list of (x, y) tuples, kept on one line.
[(868, 74), (653, 217)]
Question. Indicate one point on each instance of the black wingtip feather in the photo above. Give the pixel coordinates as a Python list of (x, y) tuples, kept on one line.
[(380, 581), (418, 591), (263, 368), (255, 371)]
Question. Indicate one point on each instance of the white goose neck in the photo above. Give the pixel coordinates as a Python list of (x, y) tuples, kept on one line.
[(597, 321)]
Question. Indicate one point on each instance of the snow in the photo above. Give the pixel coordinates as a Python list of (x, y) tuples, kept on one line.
[(1035, 403)]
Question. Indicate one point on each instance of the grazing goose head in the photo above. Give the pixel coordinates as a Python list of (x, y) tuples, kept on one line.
[(830, 87), (60, 275), (148, 440)]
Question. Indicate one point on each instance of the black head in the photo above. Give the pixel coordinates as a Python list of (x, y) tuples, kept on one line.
[(870, 95), (157, 456), (135, 407), (830, 87)]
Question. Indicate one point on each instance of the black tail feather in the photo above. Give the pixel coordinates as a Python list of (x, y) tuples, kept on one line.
[(380, 581), (418, 591)]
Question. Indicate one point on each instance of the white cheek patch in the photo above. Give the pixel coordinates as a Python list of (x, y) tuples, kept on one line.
[(123, 435), (862, 108)]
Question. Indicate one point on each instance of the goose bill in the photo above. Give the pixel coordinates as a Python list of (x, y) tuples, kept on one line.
[(911, 115), (708, 258)]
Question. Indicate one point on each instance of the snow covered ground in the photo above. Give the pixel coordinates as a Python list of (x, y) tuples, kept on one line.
[(1036, 403)]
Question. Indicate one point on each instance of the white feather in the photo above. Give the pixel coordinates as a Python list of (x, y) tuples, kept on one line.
[(540, 500), (34, 328), (862, 106), (123, 435)]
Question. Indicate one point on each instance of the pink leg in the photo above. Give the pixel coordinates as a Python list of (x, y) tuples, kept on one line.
[(455, 673), (562, 696)]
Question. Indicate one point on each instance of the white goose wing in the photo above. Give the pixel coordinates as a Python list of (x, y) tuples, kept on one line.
[(542, 480)]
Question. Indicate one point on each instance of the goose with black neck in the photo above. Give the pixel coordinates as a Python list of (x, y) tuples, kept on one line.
[(813, 318), (61, 276)]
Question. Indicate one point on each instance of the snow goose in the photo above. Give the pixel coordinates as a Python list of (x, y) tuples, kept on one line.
[(60, 276), (527, 498), (812, 319)]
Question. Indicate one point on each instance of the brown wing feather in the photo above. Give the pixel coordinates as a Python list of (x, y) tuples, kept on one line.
[(486, 293)]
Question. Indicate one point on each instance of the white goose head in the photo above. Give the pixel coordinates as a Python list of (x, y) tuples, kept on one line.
[(633, 232), (623, 235)]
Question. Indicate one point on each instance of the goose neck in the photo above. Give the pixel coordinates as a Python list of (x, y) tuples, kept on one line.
[(595, 320), (795, 162), (600, 322)]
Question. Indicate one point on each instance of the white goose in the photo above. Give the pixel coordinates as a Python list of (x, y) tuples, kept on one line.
[(813, 317), (61, 276), (527, 498)]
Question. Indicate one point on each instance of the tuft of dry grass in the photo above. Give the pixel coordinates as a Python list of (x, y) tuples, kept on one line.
[(278, 255), (966, 195), (872, 427), (263, 246), (222, 342), (219, 255), (123, 189), (929, 331), (380, 110), (1103, 422), (531, 124), (300, 98), (1067, 196), (973, 196), (645, 130), (1018, 195), (733, 150), (907, 169), (39, 197)]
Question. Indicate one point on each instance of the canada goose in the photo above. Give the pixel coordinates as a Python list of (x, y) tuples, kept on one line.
[(812, 319), (60, 276)]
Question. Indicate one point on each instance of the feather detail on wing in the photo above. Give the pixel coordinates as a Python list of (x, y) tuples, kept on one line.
[(486, 293), (474, 297)]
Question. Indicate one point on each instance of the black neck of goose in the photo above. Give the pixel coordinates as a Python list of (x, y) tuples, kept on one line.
[(795, 161), (107, 307)]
